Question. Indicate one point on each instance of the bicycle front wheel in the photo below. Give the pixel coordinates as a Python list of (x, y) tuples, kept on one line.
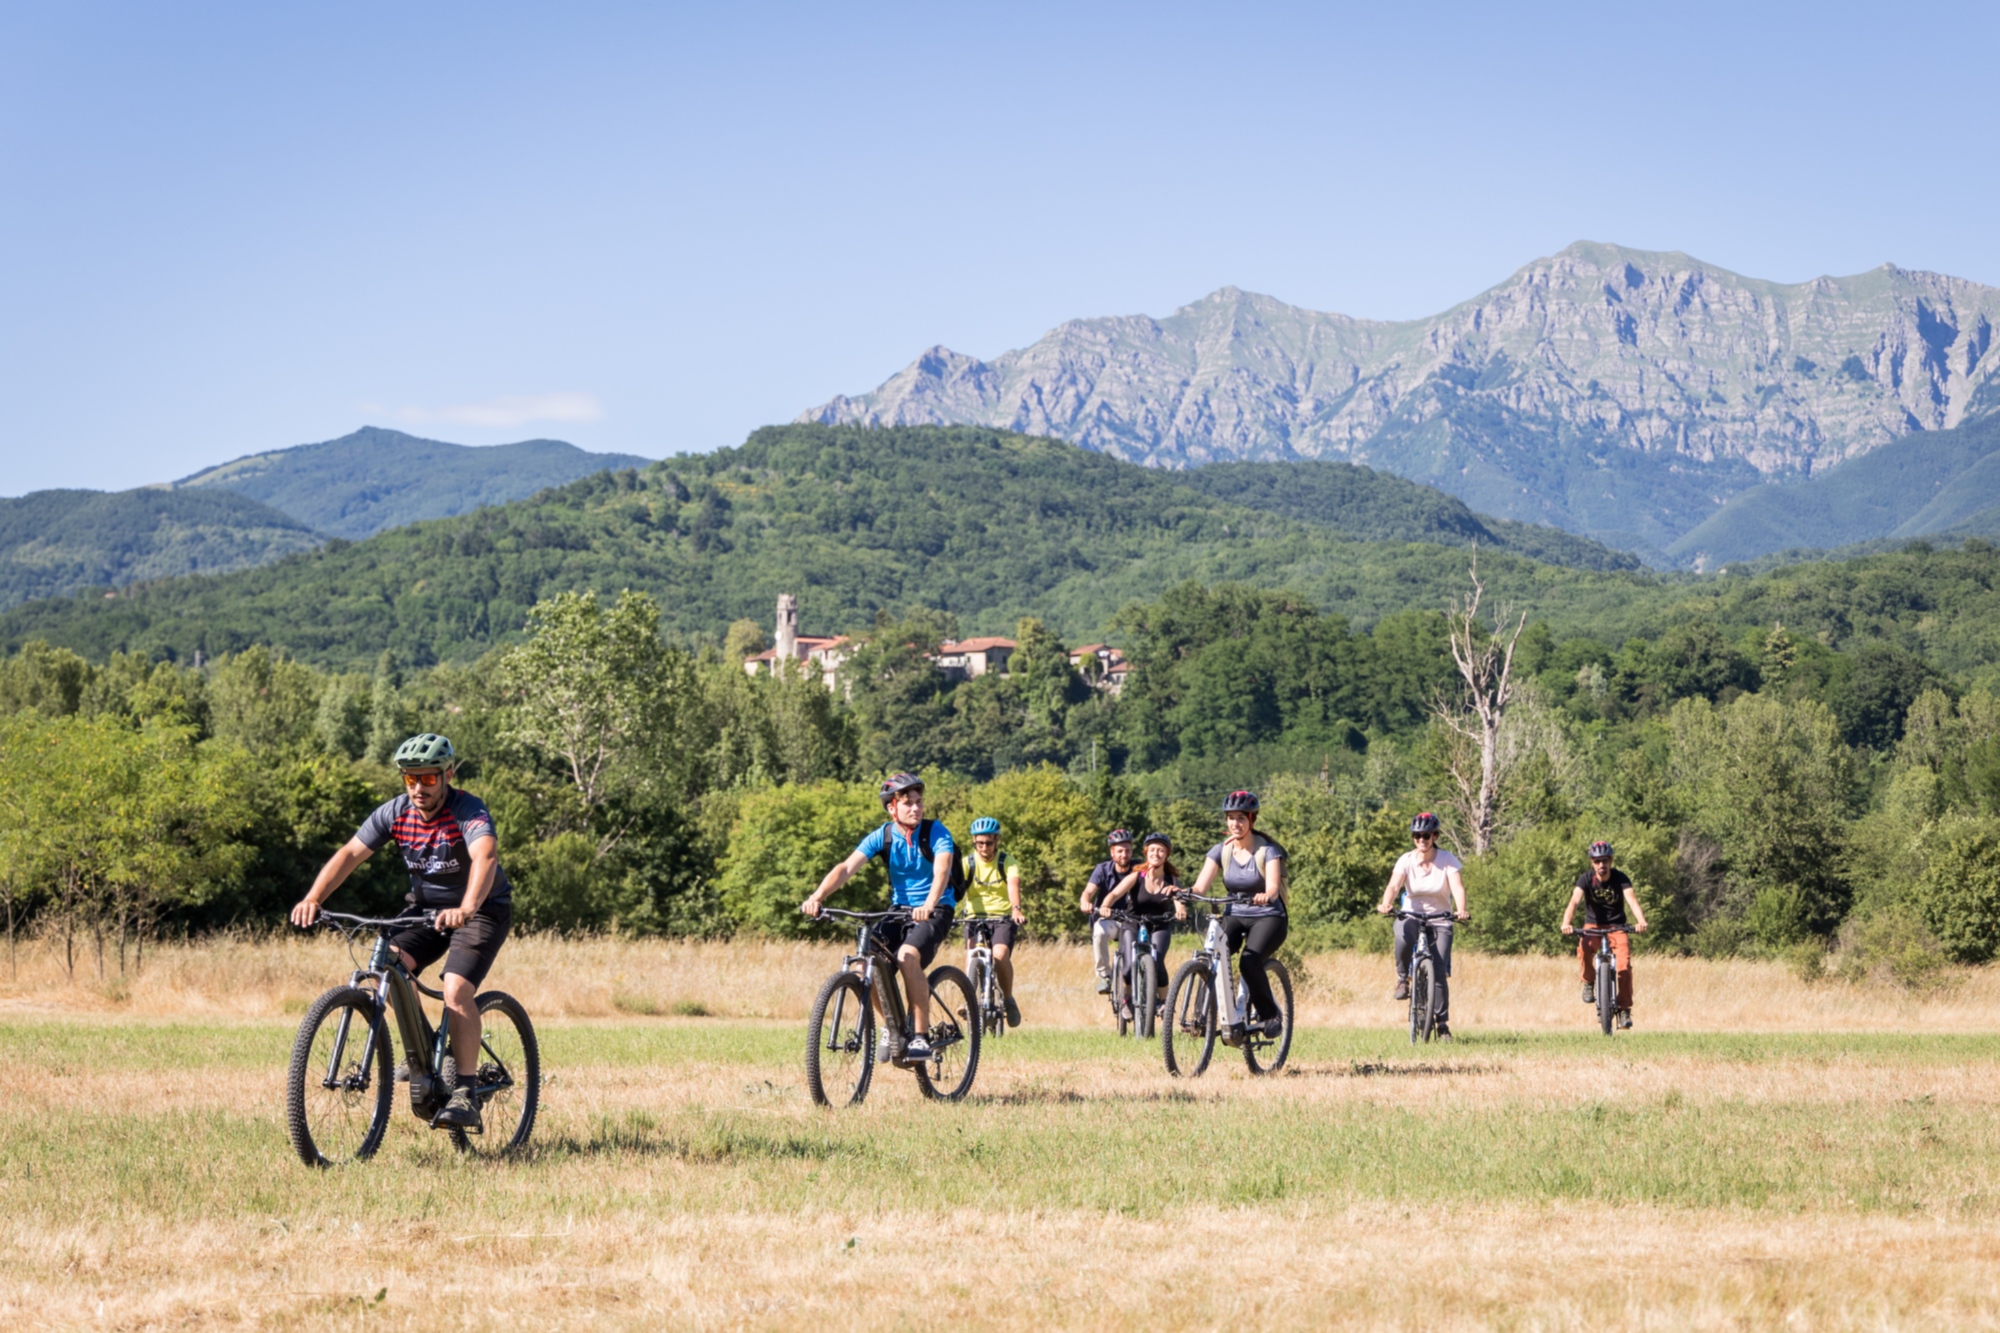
[(1423, 992), (1266, 1055), (840, 1043), (338, 1087), (507, 1085), (1607, 994), (954, 1037), (1187, 1038)]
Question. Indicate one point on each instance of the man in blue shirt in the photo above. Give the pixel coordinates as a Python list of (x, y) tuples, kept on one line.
[(917, 881)]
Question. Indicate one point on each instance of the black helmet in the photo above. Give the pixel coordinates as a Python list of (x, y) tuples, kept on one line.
[(1117, 836), (1160, 838), (429, 750), (1424, 823), (1240, 802), (1600, 851), (898, 783)]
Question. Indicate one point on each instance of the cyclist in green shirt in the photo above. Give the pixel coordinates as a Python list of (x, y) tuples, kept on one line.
[(993, 888)]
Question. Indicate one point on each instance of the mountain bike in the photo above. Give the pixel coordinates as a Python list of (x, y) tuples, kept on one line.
[(1135, 991), (1607, 974), (1194, 1018), (840, 1039), (1426, 995), (339, 1085), (985, 985)]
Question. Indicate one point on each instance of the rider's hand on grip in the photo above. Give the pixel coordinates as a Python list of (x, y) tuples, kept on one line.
[(305, 913)]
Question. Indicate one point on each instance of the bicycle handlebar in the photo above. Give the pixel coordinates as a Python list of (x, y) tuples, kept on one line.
[(1404, 915), (866, 916), (1600, 930), (342, 920)]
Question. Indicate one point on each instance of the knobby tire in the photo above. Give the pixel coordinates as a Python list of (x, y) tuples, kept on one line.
[(1607, 994), (508, 1081), (954, 1036), (1276, 1049), (840, 1041), (345, 1123), (1423, 999), (1190, 1020)]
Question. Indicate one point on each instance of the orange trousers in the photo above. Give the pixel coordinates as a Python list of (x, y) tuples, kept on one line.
[(1621, 950)]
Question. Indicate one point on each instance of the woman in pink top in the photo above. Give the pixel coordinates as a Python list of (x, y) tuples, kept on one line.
[(1429, 881)]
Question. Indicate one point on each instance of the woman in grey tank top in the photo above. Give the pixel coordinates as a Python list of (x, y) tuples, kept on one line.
[(1252, 870)]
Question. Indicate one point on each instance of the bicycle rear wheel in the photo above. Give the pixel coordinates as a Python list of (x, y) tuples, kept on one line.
[(1423, 991), (1607, 994), (840, 1042), (338, 1086), (508, 1083), (1187, 1038), (1266, 1055), (954, 1037)]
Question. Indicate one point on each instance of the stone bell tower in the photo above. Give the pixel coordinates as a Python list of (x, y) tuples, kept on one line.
[(786, 640)]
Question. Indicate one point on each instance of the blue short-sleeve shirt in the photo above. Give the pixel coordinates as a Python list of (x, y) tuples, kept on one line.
[(909, 869)]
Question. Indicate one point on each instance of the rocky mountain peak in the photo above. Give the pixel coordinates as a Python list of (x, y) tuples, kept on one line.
[(1618, 392)]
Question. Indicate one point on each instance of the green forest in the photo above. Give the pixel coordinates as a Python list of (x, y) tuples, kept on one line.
[(1802, 762)]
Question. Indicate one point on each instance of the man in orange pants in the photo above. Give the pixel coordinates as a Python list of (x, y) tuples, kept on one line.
[(1604, 893)]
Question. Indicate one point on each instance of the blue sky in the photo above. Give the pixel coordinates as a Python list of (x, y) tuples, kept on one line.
[(652, 228)]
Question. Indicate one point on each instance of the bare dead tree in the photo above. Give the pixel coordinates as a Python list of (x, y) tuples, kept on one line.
[(1486, 668)]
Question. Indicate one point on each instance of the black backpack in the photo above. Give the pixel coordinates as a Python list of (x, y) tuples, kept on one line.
[(955, 881)]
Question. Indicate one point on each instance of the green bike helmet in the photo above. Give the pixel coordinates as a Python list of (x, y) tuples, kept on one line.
[(429, 750)]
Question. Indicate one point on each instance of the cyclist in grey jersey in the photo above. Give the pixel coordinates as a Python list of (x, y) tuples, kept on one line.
[(1252, 870)]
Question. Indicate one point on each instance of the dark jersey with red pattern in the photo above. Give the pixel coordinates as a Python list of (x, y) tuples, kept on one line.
[(436, 851)]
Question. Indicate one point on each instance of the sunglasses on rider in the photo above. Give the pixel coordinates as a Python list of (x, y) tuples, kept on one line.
[(430, 779)]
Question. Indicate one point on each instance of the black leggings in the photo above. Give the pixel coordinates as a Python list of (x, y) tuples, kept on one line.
[(1160, 937), (1259, 938)]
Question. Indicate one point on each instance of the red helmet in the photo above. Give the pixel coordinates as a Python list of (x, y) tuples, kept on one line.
[(897, 783), (1600, 851), (1424, 823), (1240, 802), (1117, 836)]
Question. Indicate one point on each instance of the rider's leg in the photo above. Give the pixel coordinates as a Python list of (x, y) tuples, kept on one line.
[(1621, 950), (1003, 967), (1259, 944), (1100, 940), (915, 988), (1441, 944), (474, 946), (1406, 945), (461, 1007), (1162, 939)]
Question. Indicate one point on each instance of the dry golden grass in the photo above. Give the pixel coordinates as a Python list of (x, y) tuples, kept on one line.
[(1358, 1266), (684, 1181), (592, 978)]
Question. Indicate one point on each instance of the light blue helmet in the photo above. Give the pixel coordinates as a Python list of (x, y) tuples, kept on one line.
[(984, 825)]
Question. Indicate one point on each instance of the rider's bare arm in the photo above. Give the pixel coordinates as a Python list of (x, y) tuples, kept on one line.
[(1569, 913), (830, 885), (485, 855), (331, 876), (1274, 881), (1209, 870), (1120, 889), (1014, 891), (1632, 901), (940, 876), (1388, 903), (1456, 881)]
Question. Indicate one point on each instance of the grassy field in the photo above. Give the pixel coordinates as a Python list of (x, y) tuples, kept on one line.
[(1758, 1153)]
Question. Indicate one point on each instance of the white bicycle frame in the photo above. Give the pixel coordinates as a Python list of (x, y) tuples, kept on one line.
[(1217, 947)]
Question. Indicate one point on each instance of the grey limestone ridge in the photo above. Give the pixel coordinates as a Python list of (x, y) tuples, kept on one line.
[(1625, 394)]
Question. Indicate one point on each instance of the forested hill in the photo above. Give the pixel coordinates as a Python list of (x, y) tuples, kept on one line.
[(55, 542), (982, 523), (373, 479), (1367, 505)]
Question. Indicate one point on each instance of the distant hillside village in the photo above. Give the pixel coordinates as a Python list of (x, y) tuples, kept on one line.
[(1103, 666)]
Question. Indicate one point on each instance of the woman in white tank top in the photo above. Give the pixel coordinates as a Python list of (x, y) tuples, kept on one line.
[(1429, 880)]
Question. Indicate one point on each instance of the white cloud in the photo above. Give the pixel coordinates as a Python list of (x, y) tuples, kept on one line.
[(511, 409)]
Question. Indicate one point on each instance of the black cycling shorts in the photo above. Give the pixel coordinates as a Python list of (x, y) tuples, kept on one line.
[(1003, 928), (923, 936), (468, 951)]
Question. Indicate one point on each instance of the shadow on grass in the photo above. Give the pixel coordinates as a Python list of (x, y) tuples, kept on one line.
[(639, 1134), (1388, 1069), (1071, 1097)]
